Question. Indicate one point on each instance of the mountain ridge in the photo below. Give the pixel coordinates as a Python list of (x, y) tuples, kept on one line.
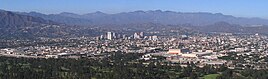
[(154, 16), (21, 25)]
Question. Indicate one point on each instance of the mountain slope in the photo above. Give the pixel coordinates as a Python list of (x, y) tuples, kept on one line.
[(13, 25), (11, 19)]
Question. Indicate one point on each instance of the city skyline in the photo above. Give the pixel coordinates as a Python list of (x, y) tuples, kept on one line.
[(137, 39), (240, 8)]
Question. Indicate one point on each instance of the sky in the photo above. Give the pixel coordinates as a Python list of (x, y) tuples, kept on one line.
[(240, 8)]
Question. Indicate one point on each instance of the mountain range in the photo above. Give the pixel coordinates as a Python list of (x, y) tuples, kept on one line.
[(156, 16), (33, 24)]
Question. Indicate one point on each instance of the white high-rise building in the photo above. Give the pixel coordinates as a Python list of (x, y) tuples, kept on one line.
[(154, 38), (101, 37), (124, 37), (109, 36), (114, 35), (141, 34), (136, 36)]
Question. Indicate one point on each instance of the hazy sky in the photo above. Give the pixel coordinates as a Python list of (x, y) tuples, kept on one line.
[(243, 8)]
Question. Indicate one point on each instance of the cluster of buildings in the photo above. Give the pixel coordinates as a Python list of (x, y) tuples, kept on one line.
[(234, 51), (201, 58), (186, 56), (136, 35)]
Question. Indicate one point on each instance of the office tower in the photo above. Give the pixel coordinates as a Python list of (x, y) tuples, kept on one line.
[(101, 37), (114, 35), (109, 35), (141, 34), (136, 36), (154, 38)]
